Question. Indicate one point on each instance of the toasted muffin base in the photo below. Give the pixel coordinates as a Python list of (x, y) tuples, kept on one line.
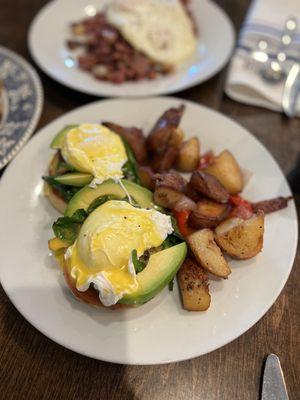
[(54, 198)]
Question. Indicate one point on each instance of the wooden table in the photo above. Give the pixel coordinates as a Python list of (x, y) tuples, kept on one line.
[(33, 367)]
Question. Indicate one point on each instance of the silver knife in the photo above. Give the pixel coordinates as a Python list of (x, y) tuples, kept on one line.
[(273, 387)]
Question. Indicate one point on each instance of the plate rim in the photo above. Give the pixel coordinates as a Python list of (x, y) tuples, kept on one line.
[(106, 93), (230, 337), (38, 106)]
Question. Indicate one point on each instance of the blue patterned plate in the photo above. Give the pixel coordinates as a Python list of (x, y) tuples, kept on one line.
[(21, 103)]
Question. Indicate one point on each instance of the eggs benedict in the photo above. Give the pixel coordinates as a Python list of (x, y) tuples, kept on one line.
[(94, 149), (122, 254)]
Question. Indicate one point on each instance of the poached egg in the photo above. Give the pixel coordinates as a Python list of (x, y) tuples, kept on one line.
[(101, 255), (95, 149), (161, 29)]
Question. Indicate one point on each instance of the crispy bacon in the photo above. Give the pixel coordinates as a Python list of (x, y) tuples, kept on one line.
[(271, 205)]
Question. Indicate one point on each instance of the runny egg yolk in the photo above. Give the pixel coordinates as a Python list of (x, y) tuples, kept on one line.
[(102, 253), (95, 149)]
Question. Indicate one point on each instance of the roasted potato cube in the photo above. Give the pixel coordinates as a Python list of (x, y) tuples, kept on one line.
[(193, 284), (189, 155), (190, 192), (240, 238), (208, 214), (209, 186), (169, 189), (176, 137), (208, 253), (167, 197), (226, 169), (171, 180), (163, 162)]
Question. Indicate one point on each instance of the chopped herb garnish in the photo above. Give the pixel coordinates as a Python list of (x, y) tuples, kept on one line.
[(171, 285)]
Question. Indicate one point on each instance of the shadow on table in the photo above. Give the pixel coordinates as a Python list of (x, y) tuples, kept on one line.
[(56, 371)]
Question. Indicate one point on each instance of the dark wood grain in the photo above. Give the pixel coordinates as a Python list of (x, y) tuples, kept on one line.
[(33, 367)]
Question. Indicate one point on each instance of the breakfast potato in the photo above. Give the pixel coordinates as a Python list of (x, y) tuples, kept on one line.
[(176, 138), (208, 214), (226, 169), (208, 253), (209, 186), (167, 197), (134, 137), (163, 162), (171, 180), (147, 177), (169, 189), (240, 238), (193, 284), (190, 192), (189, 155)]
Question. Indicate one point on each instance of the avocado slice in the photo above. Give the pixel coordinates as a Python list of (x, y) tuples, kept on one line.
[(85, 196), (160, 270), (58, 141), (74, 179)]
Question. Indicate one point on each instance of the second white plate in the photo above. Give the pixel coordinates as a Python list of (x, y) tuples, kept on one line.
[(49, 31)]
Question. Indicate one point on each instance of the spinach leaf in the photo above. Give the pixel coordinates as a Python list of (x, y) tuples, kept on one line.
[(67, 228), (67, 192), (138, 264), (170, 241), (130, 168)]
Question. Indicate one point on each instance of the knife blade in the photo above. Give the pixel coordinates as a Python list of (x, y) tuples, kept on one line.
[(273, 387)]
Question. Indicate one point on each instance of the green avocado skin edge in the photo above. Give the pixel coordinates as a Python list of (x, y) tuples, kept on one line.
[(74, 179), (58, 141), (161, 269), (85, 196)]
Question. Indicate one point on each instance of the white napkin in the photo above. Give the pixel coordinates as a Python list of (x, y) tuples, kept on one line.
[(265, 21)]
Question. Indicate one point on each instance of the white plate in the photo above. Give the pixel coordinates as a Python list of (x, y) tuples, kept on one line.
[(49, 31), (160, 331)]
